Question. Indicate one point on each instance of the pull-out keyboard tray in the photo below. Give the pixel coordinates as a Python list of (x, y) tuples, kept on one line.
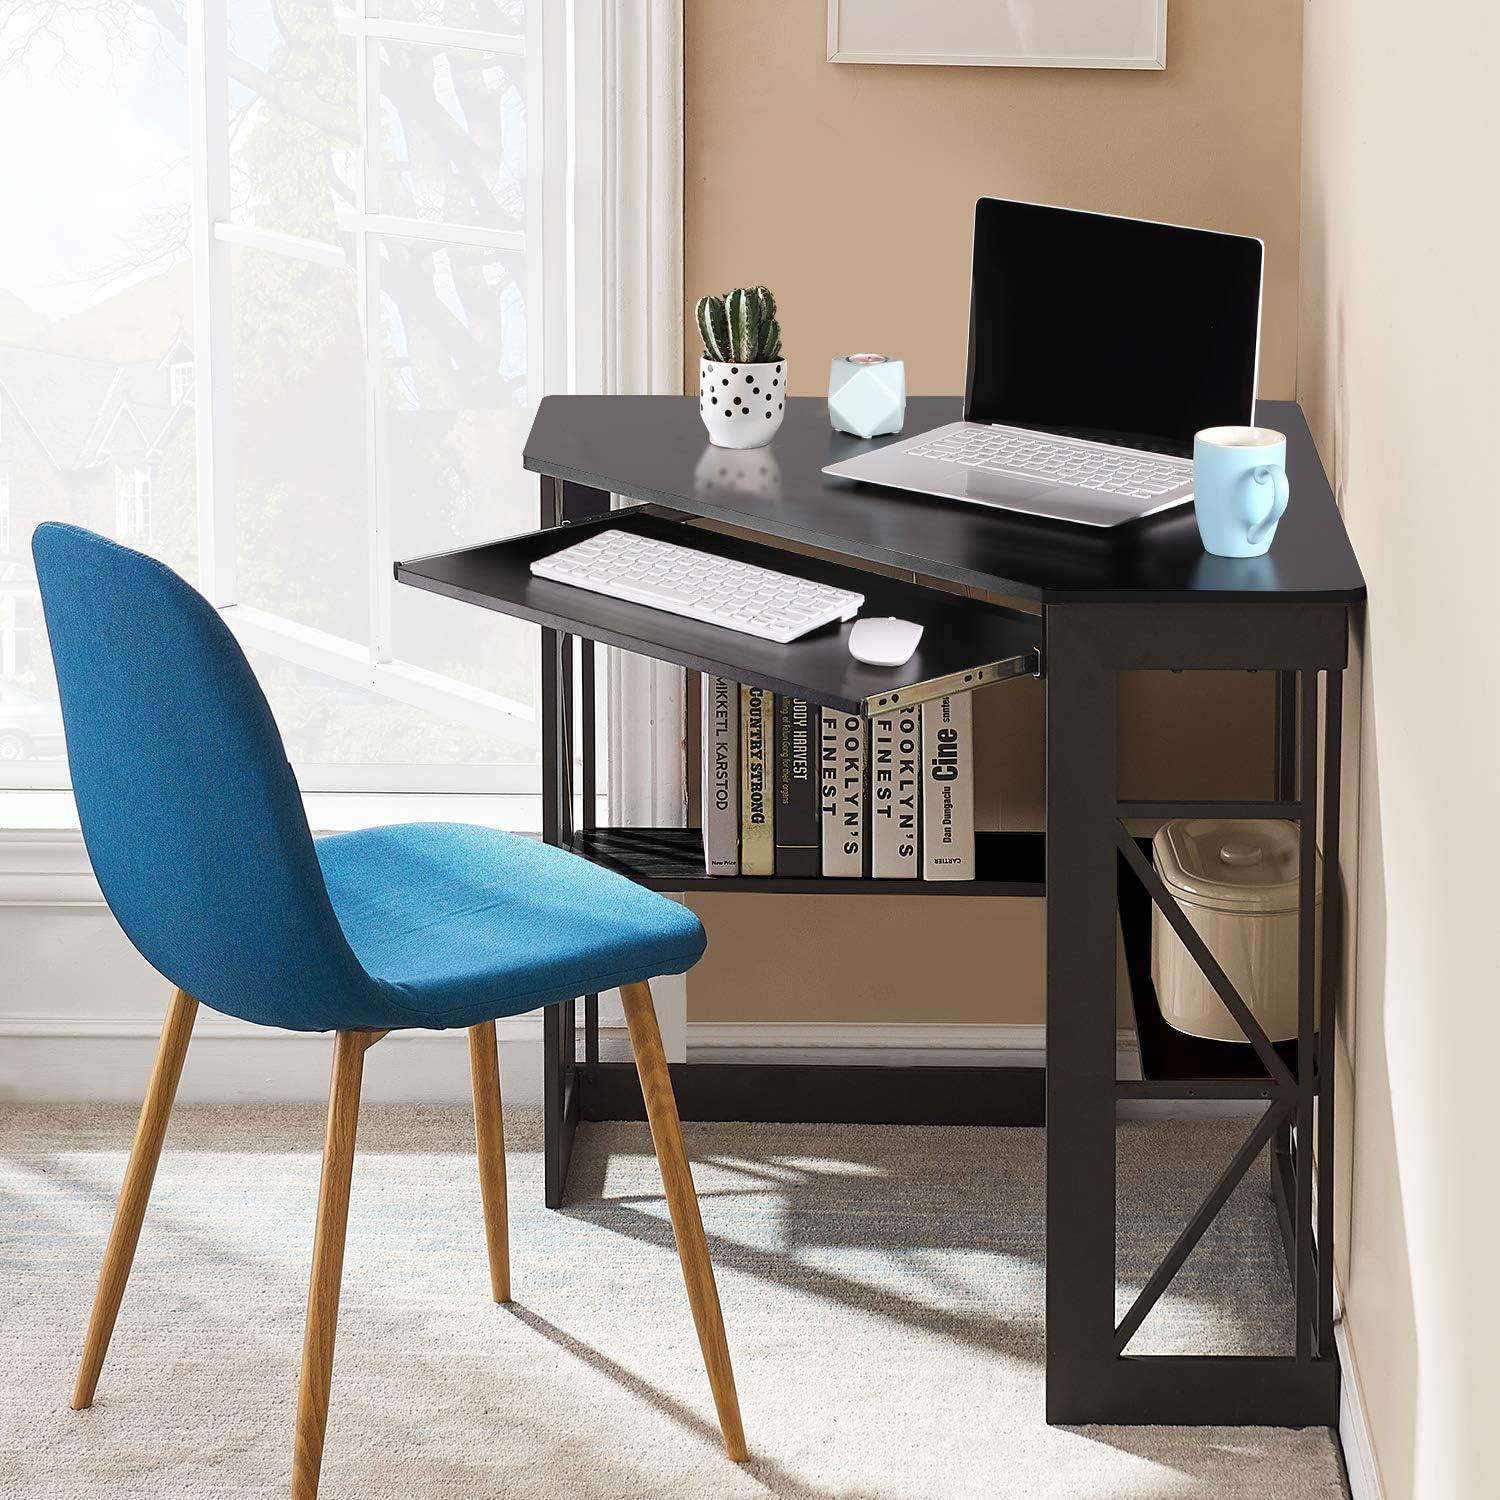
[(965, 642)]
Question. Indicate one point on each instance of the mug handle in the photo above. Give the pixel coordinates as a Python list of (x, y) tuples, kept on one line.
[(1274, 475)]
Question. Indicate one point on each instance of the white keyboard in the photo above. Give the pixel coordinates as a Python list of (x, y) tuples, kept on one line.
[(1114, 471), (756, 601)]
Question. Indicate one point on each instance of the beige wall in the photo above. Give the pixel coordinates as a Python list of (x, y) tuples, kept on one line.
[(1400, 373), (850, 190)]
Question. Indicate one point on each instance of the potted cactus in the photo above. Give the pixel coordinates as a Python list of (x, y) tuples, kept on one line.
[(742, 375)]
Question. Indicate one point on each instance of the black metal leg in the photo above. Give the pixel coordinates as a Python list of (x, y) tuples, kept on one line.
[(1284, 783), (565, 759), (1285, 780), (588, 732), (1307, 826), (1090, 1377), (561, 1082), (1081, 708), (553, 710), (1333, 708)]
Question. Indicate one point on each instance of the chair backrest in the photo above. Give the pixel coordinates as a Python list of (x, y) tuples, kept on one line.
[(191, 814)]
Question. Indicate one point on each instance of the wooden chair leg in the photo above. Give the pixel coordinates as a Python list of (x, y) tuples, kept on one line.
[(349, 1050), (682, 1200), (489, 1134), (134, 1193)]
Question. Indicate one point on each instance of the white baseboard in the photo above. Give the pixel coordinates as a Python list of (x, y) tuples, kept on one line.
[(1354, 1424), (101, 1058), (107, 1060)]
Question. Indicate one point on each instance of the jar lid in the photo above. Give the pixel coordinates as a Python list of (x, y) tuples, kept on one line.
[(1233, 864)]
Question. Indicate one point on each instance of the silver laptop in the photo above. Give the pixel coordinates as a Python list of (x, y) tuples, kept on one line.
[(1097, 347)]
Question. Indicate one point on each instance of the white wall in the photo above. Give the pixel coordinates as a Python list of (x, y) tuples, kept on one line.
[(1399, 369)]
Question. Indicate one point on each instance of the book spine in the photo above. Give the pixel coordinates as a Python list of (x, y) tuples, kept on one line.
[(798, 842), (841, 801), (721, 776), (757, 813), (948, 788), (895, 795)]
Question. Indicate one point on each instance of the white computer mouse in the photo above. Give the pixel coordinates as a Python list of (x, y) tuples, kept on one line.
[(884, 641)]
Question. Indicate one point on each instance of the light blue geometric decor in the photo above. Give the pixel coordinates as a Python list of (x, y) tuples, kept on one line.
[(867, 395)]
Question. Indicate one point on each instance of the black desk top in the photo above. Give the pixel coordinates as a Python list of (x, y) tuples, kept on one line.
[(654, 448)]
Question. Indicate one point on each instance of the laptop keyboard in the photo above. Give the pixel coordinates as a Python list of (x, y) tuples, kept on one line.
[(1114, 471)]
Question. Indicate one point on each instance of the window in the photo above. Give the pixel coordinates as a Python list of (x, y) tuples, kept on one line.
[(384, 283), (181, 376), (4, 514), (133, 506)]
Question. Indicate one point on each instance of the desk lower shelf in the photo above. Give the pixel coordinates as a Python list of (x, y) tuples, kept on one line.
[(671, 859), (1009, 864)]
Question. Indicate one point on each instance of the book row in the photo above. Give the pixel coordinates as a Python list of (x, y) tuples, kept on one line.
[(795, 790)]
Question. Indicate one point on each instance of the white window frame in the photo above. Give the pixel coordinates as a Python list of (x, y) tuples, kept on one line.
[(639, 200), (4, 512)]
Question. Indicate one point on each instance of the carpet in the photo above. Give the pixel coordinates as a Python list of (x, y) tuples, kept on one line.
[(882, 1290)]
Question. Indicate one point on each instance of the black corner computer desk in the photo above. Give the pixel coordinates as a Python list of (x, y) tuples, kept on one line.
[(1087, 606)]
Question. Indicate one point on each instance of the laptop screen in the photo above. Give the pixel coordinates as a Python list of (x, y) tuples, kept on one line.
[(1117, 330)]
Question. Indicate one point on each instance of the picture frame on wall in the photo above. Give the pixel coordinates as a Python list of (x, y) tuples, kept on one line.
[(1000, 33)]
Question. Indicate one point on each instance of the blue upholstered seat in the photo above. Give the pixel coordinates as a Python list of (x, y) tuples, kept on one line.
[(195, 828), (457, 924)]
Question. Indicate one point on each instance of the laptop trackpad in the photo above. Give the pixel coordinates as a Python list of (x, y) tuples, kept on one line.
[(1060, 501)]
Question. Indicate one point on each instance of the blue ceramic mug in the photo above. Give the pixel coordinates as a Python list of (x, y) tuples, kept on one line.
[(1239, 488)]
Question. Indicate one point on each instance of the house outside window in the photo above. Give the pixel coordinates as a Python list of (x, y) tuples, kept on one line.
[(133, 505)]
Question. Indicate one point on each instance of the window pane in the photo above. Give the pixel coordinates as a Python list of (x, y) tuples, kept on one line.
[(95, 312), (293, 117), (342, 737), (456, 418), (302, 519), (98, 381), (453, 135)]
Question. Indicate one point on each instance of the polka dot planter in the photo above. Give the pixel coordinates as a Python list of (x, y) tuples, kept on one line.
[(742, 405)]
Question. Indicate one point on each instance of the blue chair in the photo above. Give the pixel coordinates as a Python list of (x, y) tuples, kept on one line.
[(195, 828)]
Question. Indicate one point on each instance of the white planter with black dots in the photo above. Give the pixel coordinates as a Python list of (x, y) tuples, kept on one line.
[(742, 375), (742, 405)]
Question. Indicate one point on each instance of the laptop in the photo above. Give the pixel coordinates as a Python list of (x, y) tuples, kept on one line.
[(1097, 347)]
